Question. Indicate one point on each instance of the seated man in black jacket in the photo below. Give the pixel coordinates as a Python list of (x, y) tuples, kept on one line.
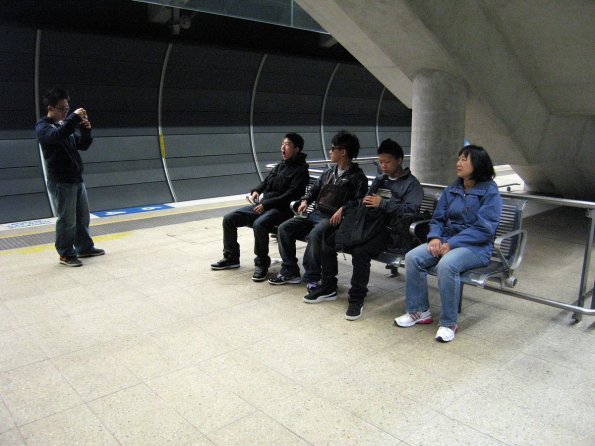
[(396, 192), (284, 184)]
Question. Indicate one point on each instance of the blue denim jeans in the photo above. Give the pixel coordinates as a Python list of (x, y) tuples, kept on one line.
[(288, 233), (261, 224), (72, 209), (449, 269), (313, 254)]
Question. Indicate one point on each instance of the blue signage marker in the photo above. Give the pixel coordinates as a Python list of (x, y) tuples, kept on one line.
[(135, 210)]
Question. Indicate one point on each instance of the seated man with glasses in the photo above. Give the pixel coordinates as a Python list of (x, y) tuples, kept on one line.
[(61, 137), (338, 185), (393, 194)]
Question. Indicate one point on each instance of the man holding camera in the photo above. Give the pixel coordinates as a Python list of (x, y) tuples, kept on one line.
[(61, 136)]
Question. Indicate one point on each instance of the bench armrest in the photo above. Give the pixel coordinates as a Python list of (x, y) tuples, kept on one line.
[(295, 204), (416, 226), (519, 248)]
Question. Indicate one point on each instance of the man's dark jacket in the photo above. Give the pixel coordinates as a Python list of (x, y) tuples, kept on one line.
[(406, 193), (354, 179), (285, 183), (60, 145)]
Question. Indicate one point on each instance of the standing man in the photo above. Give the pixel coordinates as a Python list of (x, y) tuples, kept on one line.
[(61, 137), (350, 183), (285, 183)]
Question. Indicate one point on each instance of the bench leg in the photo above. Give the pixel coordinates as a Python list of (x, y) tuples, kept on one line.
[(394, 270), (461, 297)]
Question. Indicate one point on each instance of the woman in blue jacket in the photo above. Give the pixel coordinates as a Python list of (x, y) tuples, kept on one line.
[(461, 237)]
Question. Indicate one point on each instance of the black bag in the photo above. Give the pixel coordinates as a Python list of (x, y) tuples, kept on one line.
[(360, 224), (331, 198), (400, 238)]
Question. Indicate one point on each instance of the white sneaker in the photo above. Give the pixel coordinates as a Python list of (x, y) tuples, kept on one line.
[(446, 334), (410, 319)]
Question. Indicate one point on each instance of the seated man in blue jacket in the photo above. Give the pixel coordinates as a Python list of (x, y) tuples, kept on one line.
[(284, 184), (396, 192)]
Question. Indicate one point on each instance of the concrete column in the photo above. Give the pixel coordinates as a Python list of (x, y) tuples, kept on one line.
[(438, 125)]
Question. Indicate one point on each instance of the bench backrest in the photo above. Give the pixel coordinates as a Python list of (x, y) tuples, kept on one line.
[(511, 220), (428, 203)]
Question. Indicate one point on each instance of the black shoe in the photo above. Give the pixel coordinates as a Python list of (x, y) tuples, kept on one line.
[(281, 279), (320, 295), (91, 252), (260, 274), (312, 286), (226, 264), (354, 311), (70, 261)]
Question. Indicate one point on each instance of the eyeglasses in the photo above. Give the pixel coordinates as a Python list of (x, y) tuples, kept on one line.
[(62, 109), (333, 148)]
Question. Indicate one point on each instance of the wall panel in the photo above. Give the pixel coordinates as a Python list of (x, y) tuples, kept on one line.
[(221, 125), (206, 109), (22, 188), (352, 105), (116, 80), (289, 98), (394, 121), (204, 187)]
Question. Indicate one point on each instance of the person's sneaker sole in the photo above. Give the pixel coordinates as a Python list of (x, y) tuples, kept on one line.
[(422, 322), (425, 321), (65, 263), (219, 268), (90, 254), (259, 279), (323, 298), (293, 281)]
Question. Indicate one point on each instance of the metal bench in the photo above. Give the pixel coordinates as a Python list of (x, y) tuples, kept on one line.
[(394, 257), (509, 244), (509, 248)]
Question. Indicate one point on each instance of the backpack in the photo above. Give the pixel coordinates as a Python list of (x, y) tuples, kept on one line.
[(360, 224), (400, 238)]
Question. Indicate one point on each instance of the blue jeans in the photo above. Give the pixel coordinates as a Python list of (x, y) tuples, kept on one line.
[(293, 229), (262, 225), (449, 269), (313, 253), (72, 209)]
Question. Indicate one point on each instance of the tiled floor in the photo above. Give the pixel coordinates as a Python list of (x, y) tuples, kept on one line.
[(147, 345)]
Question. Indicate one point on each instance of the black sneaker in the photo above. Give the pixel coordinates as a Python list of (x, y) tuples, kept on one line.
[(354, 311), (280, 279), (225, 264), (91, 252), (320, 295), (260, 274), (70, 261), (312, 286)]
